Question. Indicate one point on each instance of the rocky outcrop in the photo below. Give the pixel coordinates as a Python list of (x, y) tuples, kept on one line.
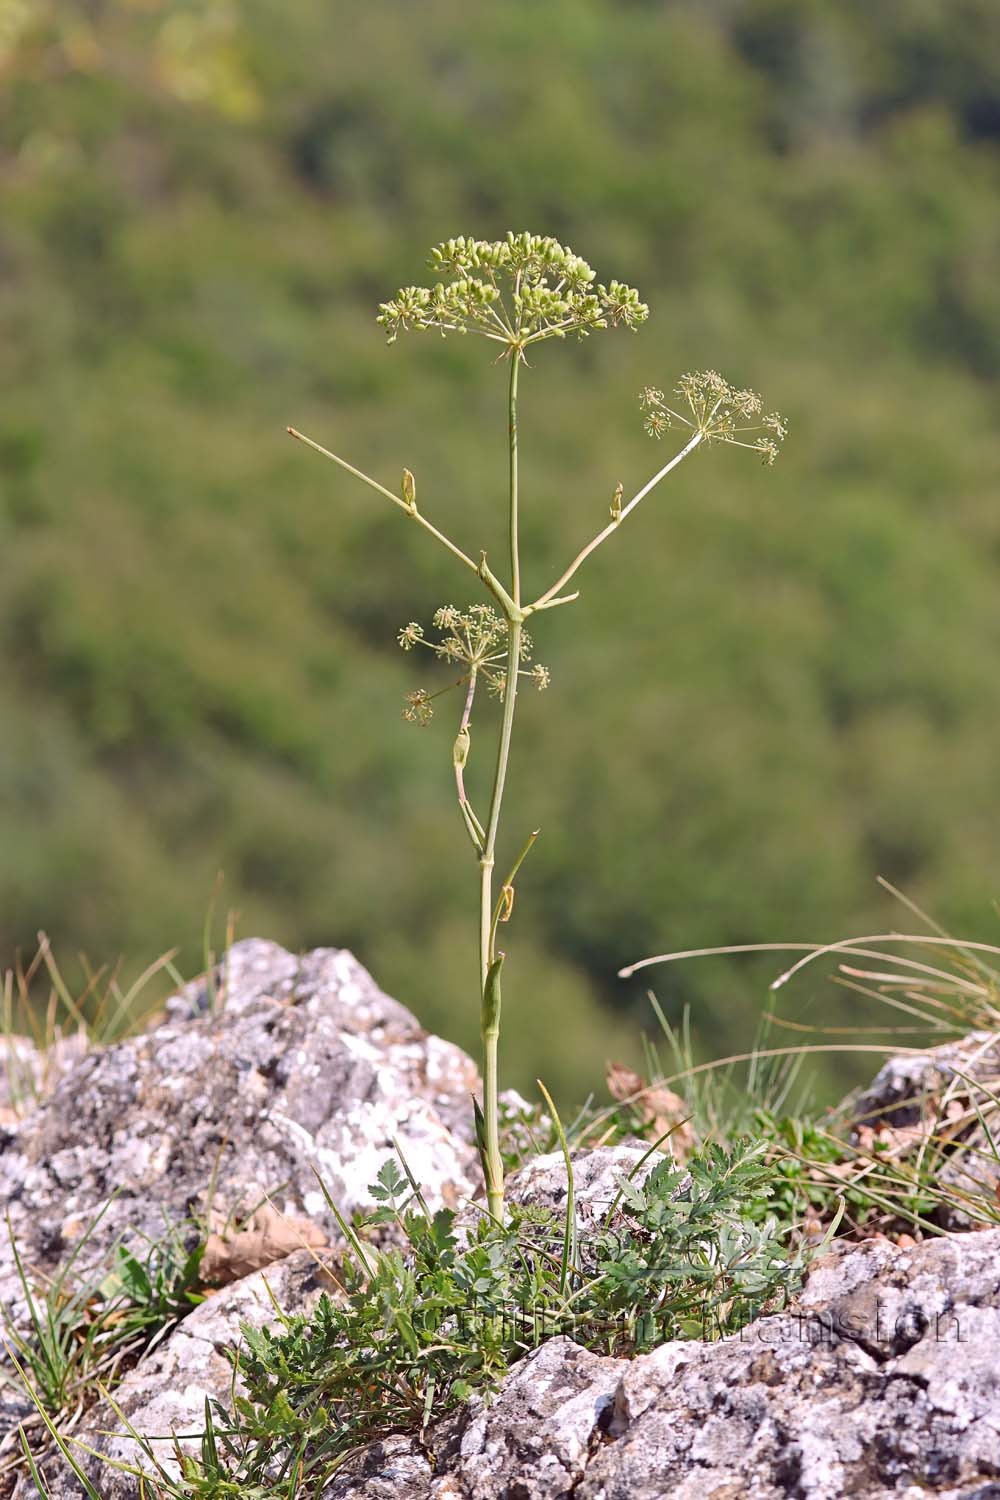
[(883, 1379), (298, 1067), (165, 1394), (909, 1088), (597, 1174), (29, 1074), (883, 1382), (163, 1398), (942, 1103), (278, 1070)]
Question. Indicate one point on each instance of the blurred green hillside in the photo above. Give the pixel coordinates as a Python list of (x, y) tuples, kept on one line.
[(776, 685)]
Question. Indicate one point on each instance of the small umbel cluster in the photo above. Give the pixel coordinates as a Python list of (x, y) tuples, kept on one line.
[(476, 640), (718, 412), (516, 291)]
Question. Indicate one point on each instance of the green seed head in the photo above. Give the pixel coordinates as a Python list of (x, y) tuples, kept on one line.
[(516, 291)]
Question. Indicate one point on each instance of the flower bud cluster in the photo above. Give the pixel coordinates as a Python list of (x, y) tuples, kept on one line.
[(516, 291), (534, 255)]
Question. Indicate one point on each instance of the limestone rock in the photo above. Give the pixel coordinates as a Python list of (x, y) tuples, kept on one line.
[(596, 1173), (902, 1090), (28, 1073), (938, 1101), (883, 1382), (298, 1066), (164, 1396)]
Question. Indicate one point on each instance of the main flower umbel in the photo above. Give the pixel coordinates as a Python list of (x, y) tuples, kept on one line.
[(516, 291)]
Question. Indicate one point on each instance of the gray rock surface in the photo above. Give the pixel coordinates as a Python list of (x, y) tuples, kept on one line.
[(29, 1073), (164, 1396), (596, 1177), (906, 1088), (944, 1102), (304, 1066), (282, 1068), (882, 1383)]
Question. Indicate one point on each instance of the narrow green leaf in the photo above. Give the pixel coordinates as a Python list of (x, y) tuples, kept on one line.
[(491, 997)]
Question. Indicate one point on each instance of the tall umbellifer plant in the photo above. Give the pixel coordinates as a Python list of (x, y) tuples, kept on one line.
[(516, 293)]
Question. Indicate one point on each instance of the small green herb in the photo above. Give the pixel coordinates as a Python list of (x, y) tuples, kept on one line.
[(518, 292), (419, 1329)]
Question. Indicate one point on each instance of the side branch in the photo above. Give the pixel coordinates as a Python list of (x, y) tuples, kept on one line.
[(548, 599), (410, 509), (460, 755)]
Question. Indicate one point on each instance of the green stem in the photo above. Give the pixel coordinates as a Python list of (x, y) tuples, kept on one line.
[(473, 828), (515, 556), (487, 931), (487, 953)]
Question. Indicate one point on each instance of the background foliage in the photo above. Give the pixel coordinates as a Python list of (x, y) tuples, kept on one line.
[(776, 685)]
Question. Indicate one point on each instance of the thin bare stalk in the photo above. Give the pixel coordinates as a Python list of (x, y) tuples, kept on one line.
[(410, 509), (920, 940), (550, 594), (487, 946), (882, 1049), (472, 824), (815, 950)]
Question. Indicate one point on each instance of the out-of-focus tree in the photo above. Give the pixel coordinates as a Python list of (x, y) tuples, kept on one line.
[(203, 206), (190, 49)]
